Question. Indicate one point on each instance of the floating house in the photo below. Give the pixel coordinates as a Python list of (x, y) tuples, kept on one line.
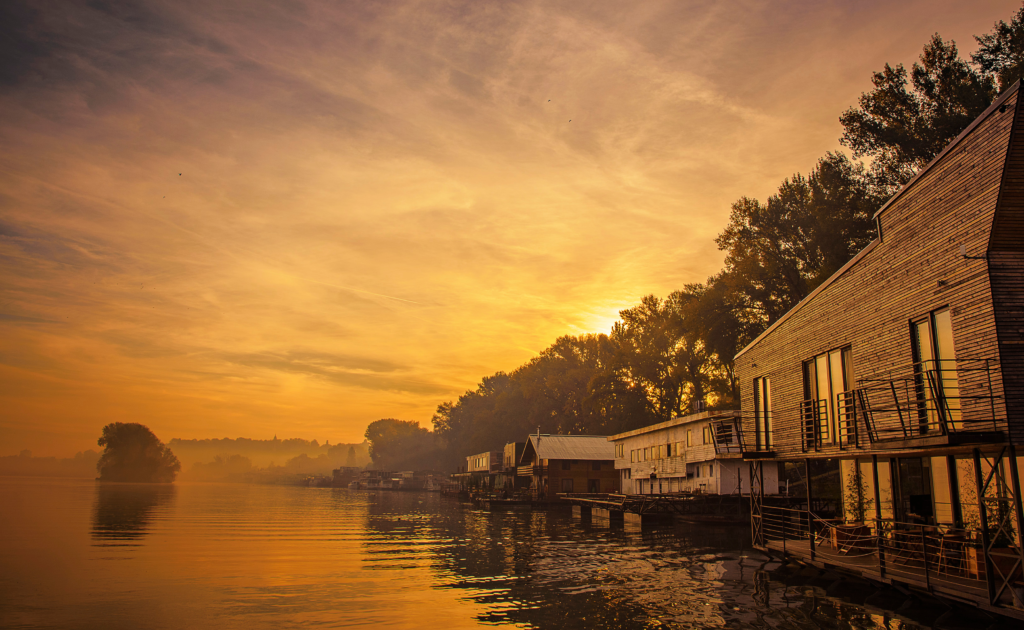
[(557, 464), (480, 472), (508, 479), (698, 453), (893, 395)]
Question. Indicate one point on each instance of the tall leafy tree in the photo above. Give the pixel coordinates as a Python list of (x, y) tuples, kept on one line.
[(131, 452), (780, 250), (1001, 52), (902, 125), (400, 445)]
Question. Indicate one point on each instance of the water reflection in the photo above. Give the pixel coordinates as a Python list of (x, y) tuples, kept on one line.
[(275, 557), (123, 512), (547, 570)]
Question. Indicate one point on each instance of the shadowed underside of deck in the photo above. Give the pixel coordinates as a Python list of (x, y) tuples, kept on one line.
[(952, 582)]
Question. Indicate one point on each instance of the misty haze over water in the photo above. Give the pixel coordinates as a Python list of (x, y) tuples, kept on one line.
[(77, 554)]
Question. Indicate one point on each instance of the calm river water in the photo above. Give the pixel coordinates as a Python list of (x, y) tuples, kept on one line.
[(77, 554)]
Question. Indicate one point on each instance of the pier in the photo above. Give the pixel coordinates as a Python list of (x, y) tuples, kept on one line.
[(648, 508)]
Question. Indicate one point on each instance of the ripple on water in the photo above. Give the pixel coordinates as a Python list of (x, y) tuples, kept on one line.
[(81, 554)]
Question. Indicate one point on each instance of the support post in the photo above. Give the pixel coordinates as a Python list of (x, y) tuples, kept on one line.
[(810, 514), (880, 547), (983, 513), (756, 468), (954, 492), (1018, 511)]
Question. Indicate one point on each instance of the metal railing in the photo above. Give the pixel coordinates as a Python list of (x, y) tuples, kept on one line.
[(916, 400), (938, 556), (727, 436), (929, 398)]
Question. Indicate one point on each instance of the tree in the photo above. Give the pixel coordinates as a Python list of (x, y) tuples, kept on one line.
[(133, 453), (779, 251), (1001, 52), (903, 130), (400, 444)]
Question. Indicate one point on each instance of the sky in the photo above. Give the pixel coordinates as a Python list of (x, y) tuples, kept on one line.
[(247, 218)]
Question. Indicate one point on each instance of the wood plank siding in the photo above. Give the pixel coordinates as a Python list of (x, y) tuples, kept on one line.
[(913, 269)]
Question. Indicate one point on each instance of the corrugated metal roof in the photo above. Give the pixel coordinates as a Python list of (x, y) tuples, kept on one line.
[(572, 447)]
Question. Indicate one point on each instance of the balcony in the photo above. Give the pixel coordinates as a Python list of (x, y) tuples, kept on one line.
[(530, 470), (969, 564), (934, 403)]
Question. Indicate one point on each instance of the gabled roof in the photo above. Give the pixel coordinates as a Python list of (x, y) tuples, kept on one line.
[(949, 147), (591, 447)]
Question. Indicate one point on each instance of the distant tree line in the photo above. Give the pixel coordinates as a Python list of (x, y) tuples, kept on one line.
[(663, 355), (295, 453), (83, 464)]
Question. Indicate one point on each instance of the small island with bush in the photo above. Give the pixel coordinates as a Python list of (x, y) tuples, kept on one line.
[(133, 453)]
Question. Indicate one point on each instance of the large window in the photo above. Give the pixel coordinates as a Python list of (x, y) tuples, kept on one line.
[(827, 396), (763, 413), (938, 392)]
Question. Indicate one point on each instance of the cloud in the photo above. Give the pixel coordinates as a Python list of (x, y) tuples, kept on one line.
[(302, 216)]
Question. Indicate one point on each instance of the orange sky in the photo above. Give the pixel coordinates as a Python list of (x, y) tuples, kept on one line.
[(380, 203)]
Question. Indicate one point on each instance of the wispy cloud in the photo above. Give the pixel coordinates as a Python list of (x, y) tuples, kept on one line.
[(297, 217)]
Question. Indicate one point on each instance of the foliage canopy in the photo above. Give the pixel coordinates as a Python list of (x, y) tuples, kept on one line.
[(133, 453)]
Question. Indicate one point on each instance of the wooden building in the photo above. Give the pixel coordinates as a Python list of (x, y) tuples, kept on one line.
[(893, 395), (557, 464), (481, 470), (698, 453), (508, 479)]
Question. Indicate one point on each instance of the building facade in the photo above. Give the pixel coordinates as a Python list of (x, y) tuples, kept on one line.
[(893, 395), (558, 464), (699, 453), (508, 479)]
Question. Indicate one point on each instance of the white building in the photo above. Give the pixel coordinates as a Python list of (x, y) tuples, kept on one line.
[(701, 452)]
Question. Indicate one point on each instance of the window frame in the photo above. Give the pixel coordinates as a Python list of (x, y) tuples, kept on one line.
[(828, 427)]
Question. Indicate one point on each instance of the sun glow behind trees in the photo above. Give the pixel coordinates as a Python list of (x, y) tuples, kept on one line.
[(662, 356)]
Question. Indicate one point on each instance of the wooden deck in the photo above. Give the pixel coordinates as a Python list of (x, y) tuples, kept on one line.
[(953, 581)]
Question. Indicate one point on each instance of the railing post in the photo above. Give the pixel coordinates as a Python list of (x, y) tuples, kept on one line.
[(879, 547), (924, 558), (810, 514), (896, 401), (869, 421), (784, 517), (938, 395)]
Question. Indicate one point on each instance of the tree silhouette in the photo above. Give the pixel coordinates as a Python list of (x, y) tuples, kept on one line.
[(133, 453), (901, 130)]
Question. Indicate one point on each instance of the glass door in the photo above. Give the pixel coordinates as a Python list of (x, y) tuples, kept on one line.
[(935, 377), (762, 414)]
